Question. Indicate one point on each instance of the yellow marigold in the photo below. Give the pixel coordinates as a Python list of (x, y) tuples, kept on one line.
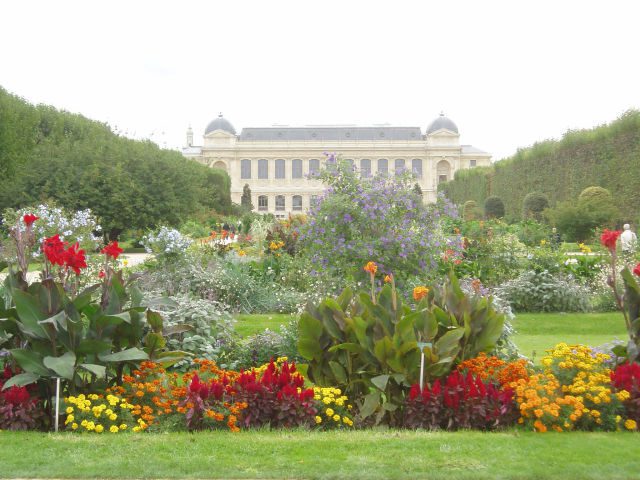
[(69, 410), (329, 412), (318, 419), (630, 424), (420, 292), (99, 428), (336, 418), (114, 429), (371, 267)]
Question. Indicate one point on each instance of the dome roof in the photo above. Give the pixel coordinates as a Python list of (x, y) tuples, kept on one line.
[(442, 122), (220, 123)]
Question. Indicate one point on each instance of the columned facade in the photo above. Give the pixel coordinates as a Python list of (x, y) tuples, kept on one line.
[(278, 163)]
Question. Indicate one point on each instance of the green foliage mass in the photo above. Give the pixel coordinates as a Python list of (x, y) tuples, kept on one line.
[(608, 155), (533, 205), (494, 207), (48, 154)]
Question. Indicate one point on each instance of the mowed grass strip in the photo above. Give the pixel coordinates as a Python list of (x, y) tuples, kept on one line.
[(370, 454), (537, 332), (248, 324)]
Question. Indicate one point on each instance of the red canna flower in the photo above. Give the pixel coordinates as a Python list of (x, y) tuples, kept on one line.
[(101, 274), (636, 270), (29, 218), (609, 239), (112, 250), (53, 249), (74, 258)]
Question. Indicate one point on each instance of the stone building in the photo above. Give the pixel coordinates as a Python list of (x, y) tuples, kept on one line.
[(278, 162)]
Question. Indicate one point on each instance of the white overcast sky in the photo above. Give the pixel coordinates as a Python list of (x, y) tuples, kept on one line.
[(509, 73)]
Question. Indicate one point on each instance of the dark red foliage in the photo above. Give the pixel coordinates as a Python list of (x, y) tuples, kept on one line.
[(19, 409), (627, 377), (459, 401), (276, 398)]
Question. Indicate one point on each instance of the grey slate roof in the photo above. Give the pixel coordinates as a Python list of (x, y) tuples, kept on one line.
[(442, 122), (220, 123), (471, 149), (288, 134)]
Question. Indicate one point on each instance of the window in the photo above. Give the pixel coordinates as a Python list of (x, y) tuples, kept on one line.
[(245, 169), (399, 166), (280, 202), (296, 168), (263, 169), (472, 163), (442, 178), (263, 203), (383, 166), (313, 201), (349, 163), (279, 169), (331, 163), (365, 168), (416, 167), (314, 167), (297, 202)]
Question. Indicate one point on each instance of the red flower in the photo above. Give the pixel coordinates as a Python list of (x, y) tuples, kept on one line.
[(29, 218), (53, 249), (112, 250), (101, 274), (74, 258), (609, 238), (637, 270)]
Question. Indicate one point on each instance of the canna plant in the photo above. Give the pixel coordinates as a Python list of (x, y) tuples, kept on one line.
[(370, 345), (85, 338)]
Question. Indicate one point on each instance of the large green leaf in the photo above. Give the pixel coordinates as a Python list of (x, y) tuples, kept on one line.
[(339, 372), (380, 381), (371, 404), (309, 348), (449, 341), (129, 355), (29, 314), (154, 319), (58, 321), (30, 361), (89, 346), (99, 371), (64, 366), (177, 329), (309, 327), (21, 380)]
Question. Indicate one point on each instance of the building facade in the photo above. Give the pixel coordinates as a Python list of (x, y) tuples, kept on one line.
[(278, 163)]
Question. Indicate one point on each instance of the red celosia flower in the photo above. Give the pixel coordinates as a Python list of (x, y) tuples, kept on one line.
[(637, 270), (609, 238), (53, 249), (29, 218), (74, 258), (112, 250)]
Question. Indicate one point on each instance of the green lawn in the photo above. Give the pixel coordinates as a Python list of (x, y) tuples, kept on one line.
[(538, 332), (373, 454), (248, 324)]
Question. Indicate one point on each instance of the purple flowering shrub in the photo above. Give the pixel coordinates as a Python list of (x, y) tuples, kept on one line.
[(380, 219)]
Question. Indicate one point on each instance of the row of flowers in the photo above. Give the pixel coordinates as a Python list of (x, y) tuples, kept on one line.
[(574, 390)]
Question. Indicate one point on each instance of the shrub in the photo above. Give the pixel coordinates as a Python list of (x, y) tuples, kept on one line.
[(166, 243), (262, 347), (493, 207), (533, 205), (543, 292), (459, 401), (471, 211)]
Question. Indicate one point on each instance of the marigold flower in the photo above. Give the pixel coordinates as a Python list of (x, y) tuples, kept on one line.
[(371, 267), (420, 292), (630, 424), (609, 238)]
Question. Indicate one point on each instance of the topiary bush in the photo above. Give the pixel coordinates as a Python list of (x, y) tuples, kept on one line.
[(470, 211), (493, 207), (533, 205)]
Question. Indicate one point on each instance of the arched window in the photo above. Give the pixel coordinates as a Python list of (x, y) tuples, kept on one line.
[(399, 166), (220, 165), (383, 166), (416, 167), (314, 167), (280, 202), (296, 202), (444, 171), (313, 201), (245, 169), (263, 169), (296, 168), (263, 203), (279, 168), (365, 168)]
